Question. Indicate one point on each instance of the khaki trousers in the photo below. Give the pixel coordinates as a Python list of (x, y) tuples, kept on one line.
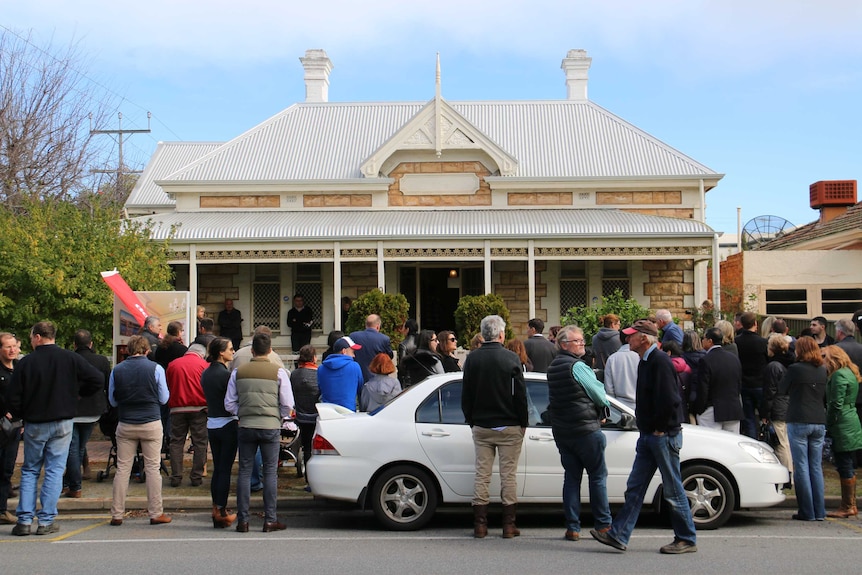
[(150, 437), (507, 442)]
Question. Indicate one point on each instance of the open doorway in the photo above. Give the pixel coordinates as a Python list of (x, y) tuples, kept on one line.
[(437, 300)]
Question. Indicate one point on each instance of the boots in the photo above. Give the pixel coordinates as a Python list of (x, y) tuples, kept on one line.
[(509, 529), (480, 521), (848, 500), (86, 474), (221, 518)]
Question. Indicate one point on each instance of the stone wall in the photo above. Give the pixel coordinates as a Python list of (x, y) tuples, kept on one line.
[(667, 286), (217, 283), (513, 286), (482, 197), (358, 278)]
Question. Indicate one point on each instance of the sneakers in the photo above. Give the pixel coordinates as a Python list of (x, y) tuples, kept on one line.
[(46, 529), (678, 546), (602, 537), (21, 530)]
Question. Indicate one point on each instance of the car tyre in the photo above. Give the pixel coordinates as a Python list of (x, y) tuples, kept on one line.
[(710, 495), (404, 498)]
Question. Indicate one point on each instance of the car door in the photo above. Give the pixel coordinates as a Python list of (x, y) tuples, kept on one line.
[(447, 441)]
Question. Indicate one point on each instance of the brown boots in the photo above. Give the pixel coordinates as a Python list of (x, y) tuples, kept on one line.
[(221, 518), (509, 529), (480, 521), (848, 500)]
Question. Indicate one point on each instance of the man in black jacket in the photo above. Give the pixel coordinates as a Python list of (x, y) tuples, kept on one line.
[(494, 402), (719, 383), (753, 357), (44, 393)]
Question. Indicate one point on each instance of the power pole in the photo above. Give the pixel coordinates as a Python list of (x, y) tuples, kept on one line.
[(120, 132)]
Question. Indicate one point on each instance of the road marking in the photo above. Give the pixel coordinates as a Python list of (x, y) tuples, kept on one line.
[(78, 531)]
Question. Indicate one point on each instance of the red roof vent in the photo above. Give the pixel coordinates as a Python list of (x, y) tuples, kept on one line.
[(833, 193)]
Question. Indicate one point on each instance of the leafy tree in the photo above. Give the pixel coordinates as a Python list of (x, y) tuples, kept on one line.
[(588, 317), (470, 311), (392, 309), (51, 253)]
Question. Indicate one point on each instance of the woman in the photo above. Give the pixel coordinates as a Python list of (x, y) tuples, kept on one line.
[(306, 394), (774, 403), (552, 333), (138, 389), (171, 347), (729, 335), (422, 361), (221, 427), (381, 388), (805, 383), (330, 341), (683, 372), (842, 422), (692, 352), (476, 342), (447, 343), (517, 347), (408, 344), (607, 340)]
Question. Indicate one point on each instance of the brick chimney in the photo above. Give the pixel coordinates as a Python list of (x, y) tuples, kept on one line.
[(576, 64), (317, 68), (832, 197)]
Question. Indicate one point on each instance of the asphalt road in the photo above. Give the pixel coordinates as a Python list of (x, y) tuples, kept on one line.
[(325, 539)]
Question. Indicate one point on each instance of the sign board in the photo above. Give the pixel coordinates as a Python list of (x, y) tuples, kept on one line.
[(168, 306)]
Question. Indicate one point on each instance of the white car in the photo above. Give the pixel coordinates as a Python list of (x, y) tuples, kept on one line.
[(416, 453)]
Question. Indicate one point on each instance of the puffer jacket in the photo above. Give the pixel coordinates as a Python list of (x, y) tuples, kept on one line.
[(842, 422)]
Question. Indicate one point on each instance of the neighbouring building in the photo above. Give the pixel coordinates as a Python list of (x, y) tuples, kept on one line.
[(549, 204)]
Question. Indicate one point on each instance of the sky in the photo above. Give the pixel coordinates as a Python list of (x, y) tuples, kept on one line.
[(767, 92)]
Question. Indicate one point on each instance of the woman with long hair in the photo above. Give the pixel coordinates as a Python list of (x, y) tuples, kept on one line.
[(842, 423), (805, 383), (422, 362), (447, 343), (222, 427), (306, 394), (728, 336), (517, 347), (171, 346)]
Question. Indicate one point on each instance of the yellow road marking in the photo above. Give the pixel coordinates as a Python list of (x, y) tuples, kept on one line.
[(33, 538), (79, 531)]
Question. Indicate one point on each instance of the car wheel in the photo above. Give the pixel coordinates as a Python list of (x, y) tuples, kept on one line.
[(710, 495), (404, 498)]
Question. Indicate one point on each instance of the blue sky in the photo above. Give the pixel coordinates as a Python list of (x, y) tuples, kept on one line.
[(767, 92)]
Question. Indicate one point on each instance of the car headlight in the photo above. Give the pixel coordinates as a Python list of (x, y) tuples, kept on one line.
[(759, 451)]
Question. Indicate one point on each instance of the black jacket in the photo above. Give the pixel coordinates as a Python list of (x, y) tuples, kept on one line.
[(719, 382), (753, 357), (572, 411), (540, 351), (775, 404), (658, 403), (494, 393), (97, 403)]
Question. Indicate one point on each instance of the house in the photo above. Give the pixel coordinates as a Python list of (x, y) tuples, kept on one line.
[(549, 204)]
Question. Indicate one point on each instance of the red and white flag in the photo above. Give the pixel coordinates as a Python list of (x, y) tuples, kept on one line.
[(119, 286)]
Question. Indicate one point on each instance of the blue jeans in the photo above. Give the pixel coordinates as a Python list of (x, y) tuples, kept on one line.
[(585, 452), (267, 440), (662, 453), (45, 444), (256, 481), (80, 436), (752, 397), (806, 447)]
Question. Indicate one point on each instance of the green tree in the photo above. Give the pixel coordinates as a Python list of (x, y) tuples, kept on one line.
[(392, 309), (470, 311), (588, 317), (51, 256)]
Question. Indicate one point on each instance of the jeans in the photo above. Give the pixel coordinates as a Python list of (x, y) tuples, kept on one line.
[(508, 443), (655, 452), (256, 479), (45, 445), (268, 441), (585, 452), (806, 445), (80, 436), (751, 400), (8, 457), (223, 442)]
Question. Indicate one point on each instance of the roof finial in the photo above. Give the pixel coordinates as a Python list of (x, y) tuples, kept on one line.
[(437, 111)]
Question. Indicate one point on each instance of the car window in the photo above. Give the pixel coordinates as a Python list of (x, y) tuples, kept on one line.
[(614, 421), (442, 406), (537, 403)]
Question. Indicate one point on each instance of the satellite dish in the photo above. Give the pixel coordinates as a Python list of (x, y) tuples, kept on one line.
[(763, 229)]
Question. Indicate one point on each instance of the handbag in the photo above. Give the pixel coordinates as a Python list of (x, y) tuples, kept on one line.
[(9, 430)]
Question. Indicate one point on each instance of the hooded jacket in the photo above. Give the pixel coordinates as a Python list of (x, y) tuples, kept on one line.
[(340, 380)]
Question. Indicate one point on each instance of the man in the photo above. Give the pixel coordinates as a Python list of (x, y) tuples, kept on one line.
[(244, 354), (577, 405), (90, 409), (753, 357), (540, 351), (152, 333), (230, 323), (205, 332), (371, 342), (658, 420), (621, 374), (346, 304), (494, 402), (188, 406), (44, 393), (339, 377), (845, 338), (719, 383), (300, 318), (818, 331), (669, 330), (9, 453), (780, 326), (260, 394)]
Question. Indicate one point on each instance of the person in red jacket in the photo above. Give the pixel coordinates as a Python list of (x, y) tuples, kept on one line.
[(188, 406)]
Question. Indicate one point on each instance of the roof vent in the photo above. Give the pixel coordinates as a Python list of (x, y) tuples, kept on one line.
[(576, 64), (317, 68), (832, 197)]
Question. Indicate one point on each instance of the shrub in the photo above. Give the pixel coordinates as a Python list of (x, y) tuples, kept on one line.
[(470, 311), (588, 317), (392, 309)]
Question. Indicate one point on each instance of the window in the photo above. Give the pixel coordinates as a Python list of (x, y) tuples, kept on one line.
[(787, 302), (843, 301), (443, 406), (573, 285), (615, 276), (310, 284), (266, 297)]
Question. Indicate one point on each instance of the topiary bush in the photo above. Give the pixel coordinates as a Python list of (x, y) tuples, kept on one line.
[(392, 309), (588, 317), (470, 311)]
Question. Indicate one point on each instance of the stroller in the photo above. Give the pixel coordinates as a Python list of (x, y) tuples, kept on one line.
[(290, 451), (108, 426)]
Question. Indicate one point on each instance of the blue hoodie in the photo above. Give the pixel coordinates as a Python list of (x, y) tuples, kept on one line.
[(340, 380)]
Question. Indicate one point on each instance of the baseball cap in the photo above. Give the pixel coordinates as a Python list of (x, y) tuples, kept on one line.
[(642, 326), (343, 343)]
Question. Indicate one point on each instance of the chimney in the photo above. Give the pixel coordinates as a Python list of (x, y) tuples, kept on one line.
[(576, 64), (832, 197), (317, 68)]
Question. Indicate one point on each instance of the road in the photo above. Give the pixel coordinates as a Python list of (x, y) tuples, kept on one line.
[(323, 539)]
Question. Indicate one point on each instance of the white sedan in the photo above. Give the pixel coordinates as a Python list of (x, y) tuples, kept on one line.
[(416, 453)]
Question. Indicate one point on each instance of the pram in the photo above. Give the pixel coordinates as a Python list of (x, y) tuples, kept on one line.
[(290, 451), (108, 426)]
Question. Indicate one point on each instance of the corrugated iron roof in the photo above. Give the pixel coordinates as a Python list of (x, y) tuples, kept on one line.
[(852, 220), (167, 159), (316, 225)]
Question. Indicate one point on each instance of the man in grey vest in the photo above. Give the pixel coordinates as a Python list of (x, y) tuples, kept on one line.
[(259, 393)]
